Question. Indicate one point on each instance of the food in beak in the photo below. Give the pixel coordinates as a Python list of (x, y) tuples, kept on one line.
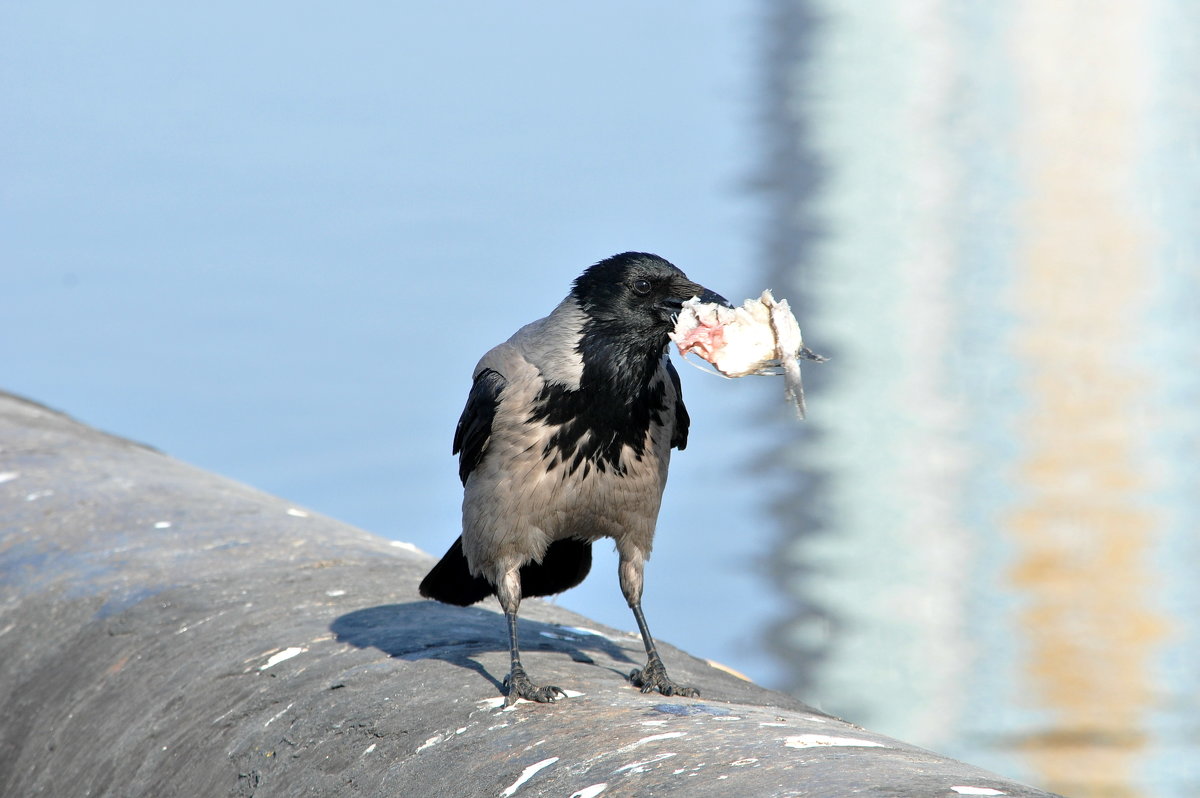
[(761, 337)]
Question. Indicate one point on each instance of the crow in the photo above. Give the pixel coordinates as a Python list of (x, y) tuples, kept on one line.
[(565, 439)]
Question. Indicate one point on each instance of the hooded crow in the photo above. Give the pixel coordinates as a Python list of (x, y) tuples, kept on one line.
[(565, 439)]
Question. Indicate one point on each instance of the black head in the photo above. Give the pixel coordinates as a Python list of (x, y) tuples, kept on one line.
[(636, 293), (629, 303)]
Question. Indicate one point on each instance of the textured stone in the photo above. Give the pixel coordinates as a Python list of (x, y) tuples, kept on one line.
[(166, 631)]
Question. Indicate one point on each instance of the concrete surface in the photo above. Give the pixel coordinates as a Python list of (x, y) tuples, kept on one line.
[(168, 632)]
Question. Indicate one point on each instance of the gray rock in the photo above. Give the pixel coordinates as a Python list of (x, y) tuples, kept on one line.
[(168, 632)]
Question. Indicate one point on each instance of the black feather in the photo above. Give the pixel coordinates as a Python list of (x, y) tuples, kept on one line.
[(564, 566), (610, 421), (622, 343), (682, 420), (475, 425), (451, 580)]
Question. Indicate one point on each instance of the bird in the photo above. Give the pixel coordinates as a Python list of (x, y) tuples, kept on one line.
[(565, 439)]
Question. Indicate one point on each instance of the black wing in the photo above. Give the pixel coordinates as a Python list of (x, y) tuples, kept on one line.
[(475, 425), (682, 419)]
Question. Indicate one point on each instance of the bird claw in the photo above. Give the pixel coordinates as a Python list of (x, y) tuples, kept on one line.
[(654, 677), (518, 685)]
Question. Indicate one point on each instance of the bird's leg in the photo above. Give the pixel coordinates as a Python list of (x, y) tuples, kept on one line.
[(654, 675), (517, 681)]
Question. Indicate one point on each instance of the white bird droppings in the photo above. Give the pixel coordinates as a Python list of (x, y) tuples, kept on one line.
[(591, 791), (335, 593), (296, 512), (441, 738), (280, 656), (652, 738), (162, 524), (574, 633), (38, 494), (556, 636), (583, 630), (527, 774), (977, 791), (741, 763), (370, 748), (432, 741), (279, 714), (818, 740), (640, 767), (8, 476), (498, 701)]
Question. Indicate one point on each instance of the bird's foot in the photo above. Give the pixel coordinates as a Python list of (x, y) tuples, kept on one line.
[(519, 686), (654, 677)]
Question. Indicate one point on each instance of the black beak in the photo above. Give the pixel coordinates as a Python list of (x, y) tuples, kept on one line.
[(685, 290), (712, 296)]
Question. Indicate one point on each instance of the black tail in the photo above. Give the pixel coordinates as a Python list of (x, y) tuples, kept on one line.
[(565, 565), (451, 581)]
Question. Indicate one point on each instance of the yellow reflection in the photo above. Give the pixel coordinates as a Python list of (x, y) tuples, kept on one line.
[(1081, 533)]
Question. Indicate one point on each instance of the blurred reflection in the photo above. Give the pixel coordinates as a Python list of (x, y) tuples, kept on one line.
[(980, 209), (1081, 532)]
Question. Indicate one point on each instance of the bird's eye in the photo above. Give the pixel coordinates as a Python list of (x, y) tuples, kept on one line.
[(641, 286)]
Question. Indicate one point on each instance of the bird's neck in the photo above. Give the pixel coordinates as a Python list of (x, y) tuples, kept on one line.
[(606, 420), (619, 361)]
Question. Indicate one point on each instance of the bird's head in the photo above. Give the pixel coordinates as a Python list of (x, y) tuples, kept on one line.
[(637, 294)]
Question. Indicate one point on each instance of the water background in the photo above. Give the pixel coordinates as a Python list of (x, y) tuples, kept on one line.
[(273, 240)]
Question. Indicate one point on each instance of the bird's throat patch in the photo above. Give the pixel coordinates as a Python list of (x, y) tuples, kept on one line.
[(595, 429)]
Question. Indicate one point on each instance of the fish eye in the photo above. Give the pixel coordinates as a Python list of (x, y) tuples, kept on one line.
[(641, 286)]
